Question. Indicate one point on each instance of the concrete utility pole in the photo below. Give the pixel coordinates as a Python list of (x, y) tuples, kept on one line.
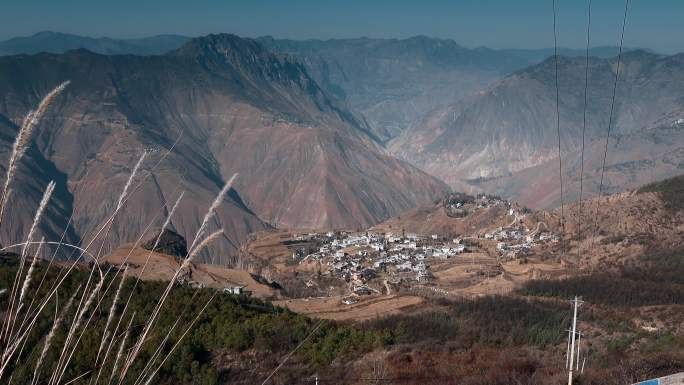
[(576, 303)]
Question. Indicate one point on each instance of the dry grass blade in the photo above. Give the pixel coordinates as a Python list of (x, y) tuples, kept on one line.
[(39, 213), (123, 197), (155, 312), (149, 379), (51, 335), (82, 310), (9, 352), (119, 354), (166, 224), (25, 288), (77, 378), (110, 316)]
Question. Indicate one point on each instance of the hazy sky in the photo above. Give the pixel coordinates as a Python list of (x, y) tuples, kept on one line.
[(655, 24)]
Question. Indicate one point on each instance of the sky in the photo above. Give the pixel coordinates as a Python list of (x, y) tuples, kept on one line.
[(652, 24)]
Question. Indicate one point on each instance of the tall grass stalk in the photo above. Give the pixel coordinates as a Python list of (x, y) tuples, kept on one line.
[(167, 222), (162, 299), (12, 314), (151, 361), (120, 202), (130, 179), (110, 316), (119, 353), (63, 358)]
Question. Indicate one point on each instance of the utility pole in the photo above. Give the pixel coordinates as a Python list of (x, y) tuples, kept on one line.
[(571, 364)]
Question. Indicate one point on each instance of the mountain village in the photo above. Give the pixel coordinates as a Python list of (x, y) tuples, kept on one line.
[(359, 257)]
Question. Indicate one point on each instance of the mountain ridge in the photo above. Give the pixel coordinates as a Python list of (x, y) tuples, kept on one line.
[(389, 83), (300, 161), (511, 126)]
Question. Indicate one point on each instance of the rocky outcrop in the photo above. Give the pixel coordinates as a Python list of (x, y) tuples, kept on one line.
[(169, 242)]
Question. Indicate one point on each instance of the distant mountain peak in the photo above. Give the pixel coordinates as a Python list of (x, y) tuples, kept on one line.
[(249, 58), (224, 43)]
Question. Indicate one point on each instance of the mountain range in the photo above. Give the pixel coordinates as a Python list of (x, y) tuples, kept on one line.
[(323, 133), (504, 139), (391, 82), (223, 104)]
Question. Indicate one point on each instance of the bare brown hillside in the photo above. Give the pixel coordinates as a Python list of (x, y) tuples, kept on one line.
[(224, 105)]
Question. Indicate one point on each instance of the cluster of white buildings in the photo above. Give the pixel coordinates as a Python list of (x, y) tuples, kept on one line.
[(483, 201), (359, 257), (515, 242)]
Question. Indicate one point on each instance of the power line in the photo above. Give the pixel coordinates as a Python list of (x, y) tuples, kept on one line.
[(584, 128), (610, 118), (560, 159)]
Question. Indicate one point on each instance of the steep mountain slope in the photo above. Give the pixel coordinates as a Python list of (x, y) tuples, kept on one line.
[(33, 175), (55, 42), (632, 160), (511, 126), (225, 105), (393, 82), (90, 155)]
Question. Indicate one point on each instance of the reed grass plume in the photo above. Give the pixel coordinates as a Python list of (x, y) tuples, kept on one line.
[(164, 296), (166, 224), (213, 236), (29, 273), (212, 209), (39, 213), (24, 136), (130, 180)]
